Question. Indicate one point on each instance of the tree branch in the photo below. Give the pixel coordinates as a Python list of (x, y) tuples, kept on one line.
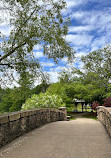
[(12, 51), (22, 26), (4, 64)]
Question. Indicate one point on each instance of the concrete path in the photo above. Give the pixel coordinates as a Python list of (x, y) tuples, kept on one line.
[(80, 138)]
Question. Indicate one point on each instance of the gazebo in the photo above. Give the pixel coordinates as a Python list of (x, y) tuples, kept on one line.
[(77, 101)]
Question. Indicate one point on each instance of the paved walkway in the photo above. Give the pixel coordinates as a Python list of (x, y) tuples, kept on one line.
[(80, 138)]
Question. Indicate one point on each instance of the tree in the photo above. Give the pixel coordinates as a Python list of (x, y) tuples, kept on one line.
[(97, 66), (2, 92), (13, 99), (55, 88), (97, 73), (108, 94), (6, 102), (68, 75), (40, 88), (33, 22)]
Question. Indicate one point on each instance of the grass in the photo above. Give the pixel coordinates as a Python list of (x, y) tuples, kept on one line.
[(75, 115), (90, 116), (73, 118)]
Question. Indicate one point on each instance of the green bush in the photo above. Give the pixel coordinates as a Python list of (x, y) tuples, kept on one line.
[(43, 100)]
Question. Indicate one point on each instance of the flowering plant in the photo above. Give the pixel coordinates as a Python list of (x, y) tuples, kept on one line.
[(43, 100)]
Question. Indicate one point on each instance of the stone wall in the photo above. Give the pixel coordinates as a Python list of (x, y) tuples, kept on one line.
[(16, 124), (104, 115)]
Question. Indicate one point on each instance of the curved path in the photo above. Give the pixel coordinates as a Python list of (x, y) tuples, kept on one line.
[(80, 138)]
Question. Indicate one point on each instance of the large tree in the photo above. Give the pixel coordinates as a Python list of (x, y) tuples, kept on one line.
[(33, 22), (97, 66)]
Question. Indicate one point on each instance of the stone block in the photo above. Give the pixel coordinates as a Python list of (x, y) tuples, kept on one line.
[(31, 112), (4, 119), (24, 124), (37, 111), (24, 114), (14, 116)]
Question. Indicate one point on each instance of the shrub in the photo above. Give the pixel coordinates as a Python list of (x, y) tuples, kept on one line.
[(43, 100), (95, 104), (107, 102)]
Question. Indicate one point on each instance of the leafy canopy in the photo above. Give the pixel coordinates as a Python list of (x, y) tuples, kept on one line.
[(33, 22), (97, 66)]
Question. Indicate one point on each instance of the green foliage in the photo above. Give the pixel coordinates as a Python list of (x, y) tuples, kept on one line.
[(43, 100), (40, 88), (93, 85), (97, 66), (6, 102), (43, 86), (33, 22), (13, 99), (60, 89), (2, 92), (56, 88), (108, 93)]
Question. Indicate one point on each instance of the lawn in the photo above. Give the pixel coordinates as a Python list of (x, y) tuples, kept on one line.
[(79, 108)]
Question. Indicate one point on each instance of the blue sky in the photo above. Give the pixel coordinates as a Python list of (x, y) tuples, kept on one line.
[(90, 30)]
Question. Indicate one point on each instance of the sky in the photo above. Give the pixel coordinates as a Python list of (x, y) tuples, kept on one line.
[(90, 30)]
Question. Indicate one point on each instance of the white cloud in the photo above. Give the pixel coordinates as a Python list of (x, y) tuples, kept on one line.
[(57, 69), (72, 3), (79, 29), (98, 43), (49, 64), (81, 64), (79, 39), (53, 76), (78, 55), (76, 3), (7, 81), (93, 19), (4, 14), (38, 54), (65, 59), (94, 30), (37, 81), (5, 30), (77, 15), (37, 47)]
